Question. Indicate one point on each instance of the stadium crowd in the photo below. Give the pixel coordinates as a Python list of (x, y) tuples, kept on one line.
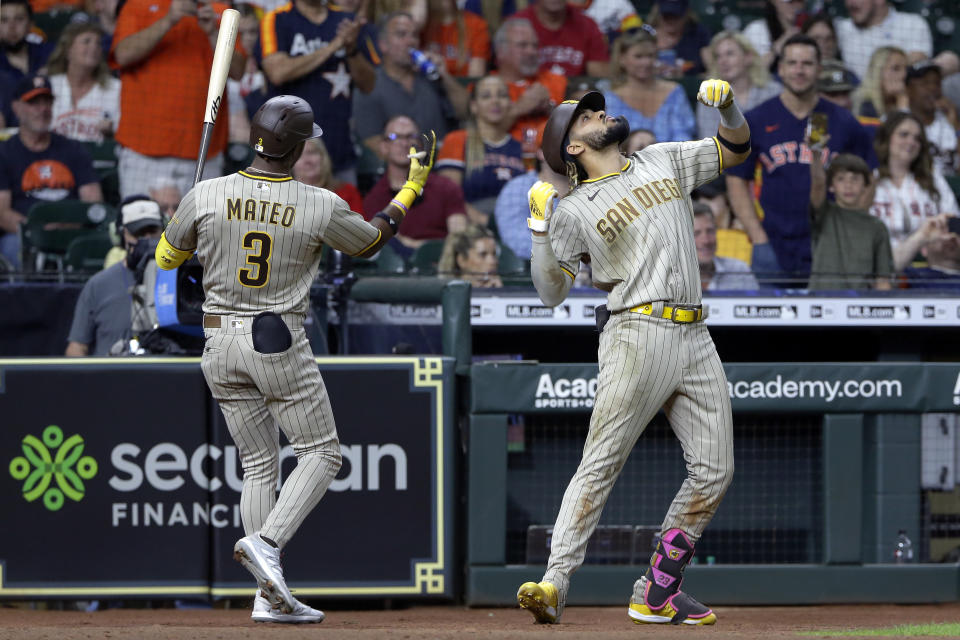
[(852, 105)]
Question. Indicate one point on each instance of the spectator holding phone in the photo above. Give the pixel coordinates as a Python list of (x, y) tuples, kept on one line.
[(460, 37), (163, 50), (781, 242)]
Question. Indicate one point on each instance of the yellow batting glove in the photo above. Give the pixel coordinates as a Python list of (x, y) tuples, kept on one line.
[(715, 93), (542, 198)]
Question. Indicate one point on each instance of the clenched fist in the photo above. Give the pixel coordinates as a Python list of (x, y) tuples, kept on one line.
[(715, 93), (542, 198)]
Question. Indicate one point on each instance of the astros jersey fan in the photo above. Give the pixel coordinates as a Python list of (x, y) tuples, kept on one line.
[(258, 234), (632, 219)]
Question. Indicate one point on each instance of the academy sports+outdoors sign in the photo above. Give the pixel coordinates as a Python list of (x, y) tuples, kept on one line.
[(766, 388), (129, 483)]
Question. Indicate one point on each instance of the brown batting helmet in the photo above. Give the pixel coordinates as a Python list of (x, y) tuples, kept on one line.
[(555, 132), (280, 124)]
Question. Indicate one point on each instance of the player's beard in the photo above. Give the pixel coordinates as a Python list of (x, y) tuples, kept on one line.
[(614, 134)]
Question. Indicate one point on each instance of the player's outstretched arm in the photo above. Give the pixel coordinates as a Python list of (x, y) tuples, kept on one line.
[(549, 278), (733, 133), (388, 221)]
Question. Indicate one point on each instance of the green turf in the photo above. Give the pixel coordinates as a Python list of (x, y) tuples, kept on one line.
[(938, 630)]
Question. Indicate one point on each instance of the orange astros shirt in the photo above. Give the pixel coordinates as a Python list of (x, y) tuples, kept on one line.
[(162, 97), (557, 87)]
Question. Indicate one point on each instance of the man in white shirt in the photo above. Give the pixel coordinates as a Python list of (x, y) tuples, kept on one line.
[(873, 24)]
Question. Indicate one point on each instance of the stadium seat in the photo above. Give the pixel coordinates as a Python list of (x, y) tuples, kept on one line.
[(954, 182), (691, 86), (369, 168), (945, 27), (910, 6), (509, 264), (52, 226), (386, 262), (105, 163), (425, 258), (86, 253)]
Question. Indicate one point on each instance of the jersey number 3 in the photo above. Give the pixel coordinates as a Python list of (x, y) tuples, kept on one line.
[(260, 245)]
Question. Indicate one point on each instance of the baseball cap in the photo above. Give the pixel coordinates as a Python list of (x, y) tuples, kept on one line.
[(835, 78), (673, 7), (921, 68), (140, 214), (32, 86)]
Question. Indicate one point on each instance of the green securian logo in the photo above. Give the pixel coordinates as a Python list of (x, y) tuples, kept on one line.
[(38, 466)]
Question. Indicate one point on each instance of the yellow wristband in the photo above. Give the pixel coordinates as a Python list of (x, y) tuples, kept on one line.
[(406, 196), (414, 186), (168, 256)]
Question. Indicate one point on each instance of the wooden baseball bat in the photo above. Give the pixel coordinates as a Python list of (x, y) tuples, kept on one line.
[(222, 55)]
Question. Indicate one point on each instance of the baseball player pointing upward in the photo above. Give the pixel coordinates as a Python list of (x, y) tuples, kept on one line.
[(632, 219), (258, 234)]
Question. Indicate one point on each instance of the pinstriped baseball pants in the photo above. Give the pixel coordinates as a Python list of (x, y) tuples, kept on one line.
[(260, 394), (647, 363)]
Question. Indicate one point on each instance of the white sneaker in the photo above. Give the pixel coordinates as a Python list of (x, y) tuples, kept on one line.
[(263, 612), (263, 561)]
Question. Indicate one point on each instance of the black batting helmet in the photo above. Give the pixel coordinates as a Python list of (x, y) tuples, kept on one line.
[(280, 124), (555, 132)]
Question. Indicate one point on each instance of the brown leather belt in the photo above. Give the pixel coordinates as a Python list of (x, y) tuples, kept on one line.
[(216, 321)]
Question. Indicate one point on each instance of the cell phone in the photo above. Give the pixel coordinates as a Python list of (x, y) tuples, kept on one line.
[(953, 224), (817, 127)]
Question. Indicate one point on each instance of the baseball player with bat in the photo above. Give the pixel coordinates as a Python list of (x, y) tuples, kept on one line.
[(258, 234), (631, 218)]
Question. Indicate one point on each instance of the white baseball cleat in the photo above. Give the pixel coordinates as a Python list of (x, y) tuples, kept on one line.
[(263, 561), (302, 614)]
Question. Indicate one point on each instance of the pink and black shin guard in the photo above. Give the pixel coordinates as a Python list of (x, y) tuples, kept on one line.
[(665, 574)]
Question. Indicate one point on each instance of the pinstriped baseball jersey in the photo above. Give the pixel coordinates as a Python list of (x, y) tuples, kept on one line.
[(637, 225), (259, 240)]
